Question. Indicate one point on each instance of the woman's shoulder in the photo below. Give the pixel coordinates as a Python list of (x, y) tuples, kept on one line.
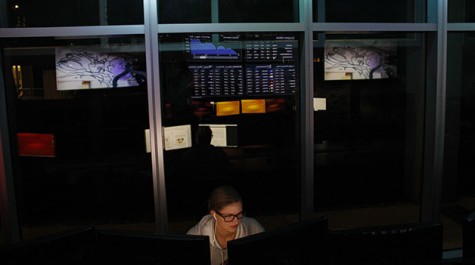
[(203, 227)]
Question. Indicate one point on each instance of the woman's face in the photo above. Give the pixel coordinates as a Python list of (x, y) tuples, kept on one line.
[(229, 212)]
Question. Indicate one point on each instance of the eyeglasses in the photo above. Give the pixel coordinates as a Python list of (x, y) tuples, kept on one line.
[(230, 217)]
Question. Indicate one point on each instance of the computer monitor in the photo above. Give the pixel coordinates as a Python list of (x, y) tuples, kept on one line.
[(230, 67), (213, 47), (118, 247), (71, 247), (298, 243), (80, 68), (468, 245), (357, 60), (394, 244)]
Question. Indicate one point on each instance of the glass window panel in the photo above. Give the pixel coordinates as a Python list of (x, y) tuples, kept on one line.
[(56, 13), (184, 11), (214, 11), (258, 11), (461, 11), (244, 86), (459, 184), (78, 115), (368, 11), (369, 120)]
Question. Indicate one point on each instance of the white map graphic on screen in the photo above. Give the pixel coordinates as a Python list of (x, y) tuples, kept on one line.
[(359, 60), (88, 68)]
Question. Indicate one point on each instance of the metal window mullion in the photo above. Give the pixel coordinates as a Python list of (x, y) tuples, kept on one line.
[(306, 115), (155, 119)]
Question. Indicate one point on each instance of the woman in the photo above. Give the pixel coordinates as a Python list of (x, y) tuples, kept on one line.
[(225, 222)]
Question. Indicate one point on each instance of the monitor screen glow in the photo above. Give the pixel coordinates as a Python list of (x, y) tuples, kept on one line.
[(93, 67), (353, 60), (36, 144), (177, 137), (227, 108), (253, 106)]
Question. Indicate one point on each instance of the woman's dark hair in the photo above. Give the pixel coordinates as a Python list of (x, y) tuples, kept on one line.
[(223, 196)]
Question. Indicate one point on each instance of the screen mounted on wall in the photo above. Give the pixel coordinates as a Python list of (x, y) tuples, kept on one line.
[(213, 47), (96, 67), (237, 65), (356, 60), (270, 47)]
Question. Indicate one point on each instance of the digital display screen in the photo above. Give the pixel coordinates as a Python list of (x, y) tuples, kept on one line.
[(36, 144), (227, 108), (356, 60), (240, 65), (95, 67), (270, 47), (217, 80), (213, 47), (177, 137), (273, 79), (275, 104), (253, 106)]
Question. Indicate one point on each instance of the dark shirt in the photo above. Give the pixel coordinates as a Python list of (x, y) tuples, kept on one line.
[(204, 168), (206, 163)]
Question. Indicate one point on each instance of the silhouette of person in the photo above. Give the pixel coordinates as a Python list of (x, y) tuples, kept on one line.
[(205, 166), (206, 160)]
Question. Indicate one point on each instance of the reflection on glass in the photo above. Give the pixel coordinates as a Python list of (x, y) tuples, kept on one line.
[(258, 11), (368, 140), (56, 13), (214, 11), (183, 11), (245, 87), (360, 60), (79, 115), (459, 184), (90, 68), (369, 11), (461, 11)]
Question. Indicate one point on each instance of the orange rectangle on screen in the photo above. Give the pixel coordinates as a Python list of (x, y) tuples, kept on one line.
[(36, 144), (226, 108), (275, 104), (253, 105)]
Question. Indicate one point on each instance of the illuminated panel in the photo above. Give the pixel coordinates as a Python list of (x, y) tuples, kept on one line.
[(352, 60), (177, 137), (201, 109), (275, 104), (270, 79), (226, 108), (224, 135), (213, 47), (217, 80), (253, 105), (36, 144), (270, 47), (91, 67)]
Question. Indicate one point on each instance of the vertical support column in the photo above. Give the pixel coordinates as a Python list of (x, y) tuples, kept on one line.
[(433, 168), (306, 114), (155, 118)]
